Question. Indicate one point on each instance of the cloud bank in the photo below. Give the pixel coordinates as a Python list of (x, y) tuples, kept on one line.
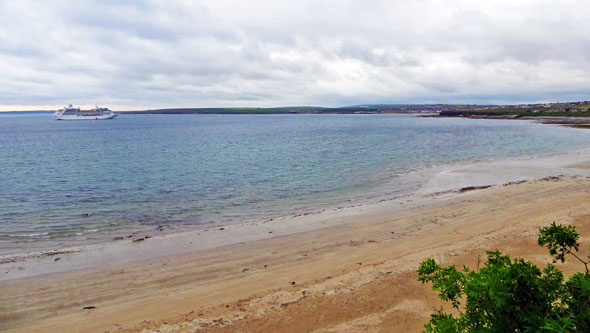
[(152, 54)]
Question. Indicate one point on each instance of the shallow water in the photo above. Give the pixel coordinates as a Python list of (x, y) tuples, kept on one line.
[(66, 183)]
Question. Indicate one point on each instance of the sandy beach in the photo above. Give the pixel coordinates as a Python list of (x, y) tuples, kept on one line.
[(350, 269)]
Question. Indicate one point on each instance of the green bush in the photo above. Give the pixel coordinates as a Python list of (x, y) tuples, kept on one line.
[(513, 295)]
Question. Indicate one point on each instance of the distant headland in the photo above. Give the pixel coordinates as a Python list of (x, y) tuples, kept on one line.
[(578, 109), (373, 108)]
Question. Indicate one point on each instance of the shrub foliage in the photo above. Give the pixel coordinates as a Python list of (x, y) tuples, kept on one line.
[(514, 295)]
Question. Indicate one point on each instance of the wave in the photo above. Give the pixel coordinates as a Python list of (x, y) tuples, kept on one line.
[(30, 235)]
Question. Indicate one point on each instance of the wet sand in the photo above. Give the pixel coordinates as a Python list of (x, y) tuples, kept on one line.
[(347, 270)]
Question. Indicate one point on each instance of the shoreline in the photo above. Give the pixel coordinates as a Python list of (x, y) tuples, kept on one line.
[(355, 275), (438, 183)]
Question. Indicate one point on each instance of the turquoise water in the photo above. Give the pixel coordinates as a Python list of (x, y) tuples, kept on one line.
[(62, 183)]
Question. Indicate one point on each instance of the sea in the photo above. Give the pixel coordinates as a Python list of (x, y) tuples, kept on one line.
[(69, 183)]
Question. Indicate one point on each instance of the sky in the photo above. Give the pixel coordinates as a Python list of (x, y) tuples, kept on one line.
[(153, 54)]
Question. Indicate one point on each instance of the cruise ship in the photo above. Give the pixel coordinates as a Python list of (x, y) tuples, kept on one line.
[(72, 113)]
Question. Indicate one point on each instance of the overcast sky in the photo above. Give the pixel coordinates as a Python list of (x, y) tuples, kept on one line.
[(151, 54)]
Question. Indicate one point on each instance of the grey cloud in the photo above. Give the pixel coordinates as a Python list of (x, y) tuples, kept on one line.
[(265, 53)]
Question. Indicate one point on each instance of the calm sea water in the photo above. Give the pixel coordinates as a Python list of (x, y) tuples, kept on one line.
[(62, 183)]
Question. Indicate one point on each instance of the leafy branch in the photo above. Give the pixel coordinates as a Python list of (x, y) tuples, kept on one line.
[(513, 295), (560, 240)]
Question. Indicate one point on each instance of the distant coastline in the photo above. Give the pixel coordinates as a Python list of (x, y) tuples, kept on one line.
[(565, 109), (357, 109), (533, 111)]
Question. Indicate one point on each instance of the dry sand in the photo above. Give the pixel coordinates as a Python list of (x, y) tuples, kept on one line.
[(349, 270)]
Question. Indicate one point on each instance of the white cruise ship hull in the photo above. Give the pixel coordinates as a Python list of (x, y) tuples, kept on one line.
[(80, 117)]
